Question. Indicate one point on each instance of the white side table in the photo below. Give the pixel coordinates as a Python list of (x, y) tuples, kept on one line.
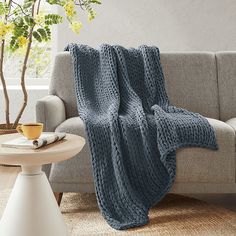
[(32, 209)]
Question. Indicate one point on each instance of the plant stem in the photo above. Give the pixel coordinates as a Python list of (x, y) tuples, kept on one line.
[(38, 8), (20, 8), (23, 87), (4, 86), (24, 68), (3, 81)]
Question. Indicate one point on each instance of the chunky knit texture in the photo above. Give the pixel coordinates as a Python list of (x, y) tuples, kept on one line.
[(132, 130)]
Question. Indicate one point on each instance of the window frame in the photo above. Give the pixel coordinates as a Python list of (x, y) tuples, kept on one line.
[(28, 82)]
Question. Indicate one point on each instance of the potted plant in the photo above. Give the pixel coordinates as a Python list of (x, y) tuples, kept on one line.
[(23, 23)]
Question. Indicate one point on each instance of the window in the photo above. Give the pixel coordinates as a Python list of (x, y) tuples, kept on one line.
[(38, 67)]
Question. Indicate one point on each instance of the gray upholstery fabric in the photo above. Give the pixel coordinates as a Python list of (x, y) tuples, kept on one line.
[(204, 188), (188, 78), (191, 81), (193, 164), (50, 111), (232, 123), (226, 64), (79, 168), (62, 83), (206, 166)]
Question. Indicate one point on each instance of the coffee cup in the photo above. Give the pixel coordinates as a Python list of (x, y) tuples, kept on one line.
[(31, 130)]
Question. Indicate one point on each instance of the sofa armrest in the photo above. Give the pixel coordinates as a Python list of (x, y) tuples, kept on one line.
[(50, 111), (232, 123)]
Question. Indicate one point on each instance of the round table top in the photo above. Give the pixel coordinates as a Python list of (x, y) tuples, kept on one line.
[(55, 152)]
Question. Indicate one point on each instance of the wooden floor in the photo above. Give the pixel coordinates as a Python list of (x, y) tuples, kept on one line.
[(8, 176)]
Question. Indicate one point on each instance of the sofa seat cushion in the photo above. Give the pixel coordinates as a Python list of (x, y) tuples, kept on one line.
[(193, 164), (205, 165), (78, 169)]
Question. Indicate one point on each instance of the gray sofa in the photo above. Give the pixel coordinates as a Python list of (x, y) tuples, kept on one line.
[(202, 82)]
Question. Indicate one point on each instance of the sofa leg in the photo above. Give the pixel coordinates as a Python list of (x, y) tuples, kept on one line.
[(58, 197)]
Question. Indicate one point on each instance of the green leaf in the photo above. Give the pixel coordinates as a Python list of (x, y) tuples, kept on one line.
[(37, 36), (43, 33), (14, 43), (53, 19), (48, 32), (29, 20), (28, 4), (53, 1), (20, 28), (3, 8), (95, 1)]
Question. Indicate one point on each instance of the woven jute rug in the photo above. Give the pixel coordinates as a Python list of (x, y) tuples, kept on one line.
[(175, 215)]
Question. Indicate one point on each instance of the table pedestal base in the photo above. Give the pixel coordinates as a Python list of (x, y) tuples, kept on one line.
[(32, 209)]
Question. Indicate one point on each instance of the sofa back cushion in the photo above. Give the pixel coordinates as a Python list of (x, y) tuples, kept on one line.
[(62, 83), (226, 64), (191, 81), (190, 78)]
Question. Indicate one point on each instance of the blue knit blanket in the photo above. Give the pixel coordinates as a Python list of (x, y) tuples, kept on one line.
[(133, 131)]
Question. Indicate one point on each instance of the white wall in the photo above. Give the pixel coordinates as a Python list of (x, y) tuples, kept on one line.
[(173, 25)]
